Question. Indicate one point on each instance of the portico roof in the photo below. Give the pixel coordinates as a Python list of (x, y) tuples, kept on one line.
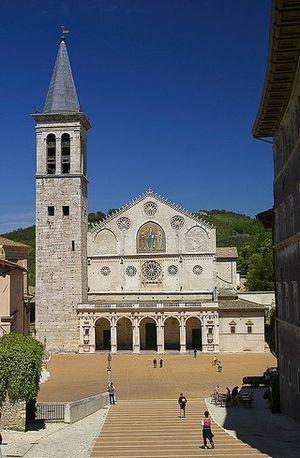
[(284, 49)]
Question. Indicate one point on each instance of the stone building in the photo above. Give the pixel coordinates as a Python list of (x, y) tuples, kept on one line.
[(148, 278), (278, 119), (14, 297)]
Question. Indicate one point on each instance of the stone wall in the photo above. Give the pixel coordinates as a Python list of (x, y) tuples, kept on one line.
[(13, 416)]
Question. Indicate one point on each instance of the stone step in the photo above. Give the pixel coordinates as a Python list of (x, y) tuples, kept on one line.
[(148, 429)]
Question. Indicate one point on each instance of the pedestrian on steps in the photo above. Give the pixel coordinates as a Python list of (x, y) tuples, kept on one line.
[(182, 401), (206, 431), (111, 391)]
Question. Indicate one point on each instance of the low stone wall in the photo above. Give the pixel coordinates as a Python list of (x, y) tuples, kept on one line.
[(77, 410), (13, 416)]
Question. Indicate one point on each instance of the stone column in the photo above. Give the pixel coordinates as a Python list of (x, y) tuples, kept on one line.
[(58, 154), (182, 335), (113, 335), (216, 332), (160, 330), (93, 337), (136, 336)]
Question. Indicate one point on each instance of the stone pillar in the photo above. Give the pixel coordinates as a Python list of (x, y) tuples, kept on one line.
[(58, 154), (182, 335), (113, 335), (136, 336), (160, 330), (93, 338)]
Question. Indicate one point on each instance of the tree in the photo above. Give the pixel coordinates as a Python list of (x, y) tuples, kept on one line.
[(20, 367), (260, 272)]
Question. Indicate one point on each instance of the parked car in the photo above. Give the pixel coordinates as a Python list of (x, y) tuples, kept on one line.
[(256, 380)]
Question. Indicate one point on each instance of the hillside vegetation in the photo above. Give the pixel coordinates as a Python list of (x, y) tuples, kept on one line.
[(254, 244)]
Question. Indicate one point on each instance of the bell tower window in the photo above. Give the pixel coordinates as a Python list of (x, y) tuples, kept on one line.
[(51, 153), (65, 153)]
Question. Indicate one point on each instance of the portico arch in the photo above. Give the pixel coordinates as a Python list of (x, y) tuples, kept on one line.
[(102, 334), (193, 333), (171, 333), (124, 334), (148, 334)]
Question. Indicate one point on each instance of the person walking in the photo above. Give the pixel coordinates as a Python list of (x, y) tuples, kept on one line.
[(228, 397), (206, 431), (195, 353), (161, 362), (234, 395), (154, 363), (111, 391), (182, 401)]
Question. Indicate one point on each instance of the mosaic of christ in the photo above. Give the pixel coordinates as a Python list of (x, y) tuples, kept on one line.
[(151, 238)]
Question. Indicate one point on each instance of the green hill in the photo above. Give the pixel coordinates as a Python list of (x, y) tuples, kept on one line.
[(254, 243)]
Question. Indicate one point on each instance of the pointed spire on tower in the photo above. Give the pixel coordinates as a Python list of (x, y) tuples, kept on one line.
[(62, 96)]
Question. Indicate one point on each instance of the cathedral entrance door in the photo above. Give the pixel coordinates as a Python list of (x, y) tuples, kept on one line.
[(197, 339), (150, 337), (106, 339)]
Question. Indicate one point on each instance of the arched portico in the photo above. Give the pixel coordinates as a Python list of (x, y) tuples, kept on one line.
[(171, 334), (193, 333), (102, 334), (124, 334), (148, 334)]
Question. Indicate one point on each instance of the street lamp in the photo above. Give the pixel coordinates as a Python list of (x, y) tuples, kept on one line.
[(108, 368)]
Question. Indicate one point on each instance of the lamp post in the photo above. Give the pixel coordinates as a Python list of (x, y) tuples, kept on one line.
[(109, 368)]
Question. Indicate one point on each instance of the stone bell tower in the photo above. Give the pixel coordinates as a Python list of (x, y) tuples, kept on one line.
[(61, 210)]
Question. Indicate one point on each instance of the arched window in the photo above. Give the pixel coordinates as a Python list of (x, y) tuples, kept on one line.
[(51, 153), (151, 238), (65, 153)]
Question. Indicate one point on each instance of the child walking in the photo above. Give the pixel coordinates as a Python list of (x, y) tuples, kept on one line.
[(206, 431)]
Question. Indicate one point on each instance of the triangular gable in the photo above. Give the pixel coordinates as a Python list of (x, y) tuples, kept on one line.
[(146, 195)]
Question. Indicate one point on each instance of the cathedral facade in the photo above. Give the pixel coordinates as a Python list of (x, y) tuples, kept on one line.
[(150, 277)]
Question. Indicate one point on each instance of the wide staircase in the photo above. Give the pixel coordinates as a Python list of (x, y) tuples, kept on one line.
[(153, 428)]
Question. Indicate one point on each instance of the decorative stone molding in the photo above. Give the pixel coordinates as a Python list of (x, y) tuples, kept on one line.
[(105, 270), (177, 222), (150, 208), (131, 271), (123, 223), (197, 269), (172, 270), (151, 270)]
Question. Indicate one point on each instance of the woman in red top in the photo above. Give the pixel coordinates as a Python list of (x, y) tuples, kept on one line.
[(206, 430)]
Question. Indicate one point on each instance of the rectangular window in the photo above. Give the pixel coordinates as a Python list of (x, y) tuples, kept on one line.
[(50, 211), (249, 329), (232, 329), (298, 376), (66, 210), (73, 245)]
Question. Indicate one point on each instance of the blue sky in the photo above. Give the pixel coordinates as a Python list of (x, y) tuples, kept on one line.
[(171, 87)]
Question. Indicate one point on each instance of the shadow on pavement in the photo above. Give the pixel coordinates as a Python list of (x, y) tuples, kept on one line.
[(273, 434), (35, 425)]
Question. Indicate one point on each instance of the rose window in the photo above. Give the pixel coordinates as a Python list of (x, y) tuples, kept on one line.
[(177, 222), (150, 208), (172, 270), (130, 271), (123, 223), (197, 270), (105, 271), (151, 270)]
